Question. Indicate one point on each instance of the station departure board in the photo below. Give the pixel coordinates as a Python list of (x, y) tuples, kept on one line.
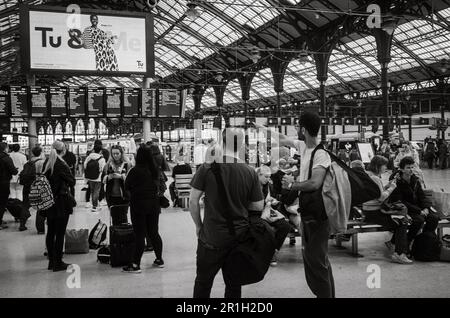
[(95, 101), (148, 103), (3, 103), (19, 101), (58, 101), (169, 103), (131, 102), (77, 102), (113, 102), (38, 101)]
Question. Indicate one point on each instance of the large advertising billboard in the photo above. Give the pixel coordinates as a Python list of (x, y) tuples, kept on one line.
[(88, 42)]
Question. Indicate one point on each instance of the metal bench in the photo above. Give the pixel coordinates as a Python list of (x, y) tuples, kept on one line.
[(183, 188)]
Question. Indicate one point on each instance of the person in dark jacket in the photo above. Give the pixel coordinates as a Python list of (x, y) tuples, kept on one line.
[(7, 170), (142, 183), (182, 167), (115, 173), (409, 191), (61, 180), (71, 160)]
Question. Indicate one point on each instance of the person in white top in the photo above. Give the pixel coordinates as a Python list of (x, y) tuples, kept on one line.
[(19, 160), (315, 224), (95, 183)]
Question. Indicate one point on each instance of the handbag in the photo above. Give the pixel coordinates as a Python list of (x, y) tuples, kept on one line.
[(164, 202), (249, 260), (394, 208)]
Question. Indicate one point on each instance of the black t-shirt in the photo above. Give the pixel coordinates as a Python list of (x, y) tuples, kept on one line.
[(242, 187)]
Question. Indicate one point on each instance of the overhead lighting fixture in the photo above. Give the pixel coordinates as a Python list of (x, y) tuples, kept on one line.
[(389, 25), (303, 57), (219, 77), (192, 13), (254, 54), (443, 65)]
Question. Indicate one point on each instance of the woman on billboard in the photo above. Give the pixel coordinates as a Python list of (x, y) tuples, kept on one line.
[(102, 43)]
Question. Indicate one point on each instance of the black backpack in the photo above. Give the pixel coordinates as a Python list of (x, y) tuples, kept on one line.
[(97, 235), (92, 171), (426, 247), (28, 174), (104, 255)]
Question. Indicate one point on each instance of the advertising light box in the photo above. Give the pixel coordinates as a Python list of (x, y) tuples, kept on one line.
[(87, 42)]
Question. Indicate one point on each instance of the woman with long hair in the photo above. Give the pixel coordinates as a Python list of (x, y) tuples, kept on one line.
[(142, 182), (61, 180), (115, 174)]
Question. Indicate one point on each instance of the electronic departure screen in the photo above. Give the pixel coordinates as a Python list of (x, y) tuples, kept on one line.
[(19, 101), (77, 102), (3, 102), (148, 103), (95, 98), (58, 101), (169, 103), (131, 102), (113, 102), (38, 101)]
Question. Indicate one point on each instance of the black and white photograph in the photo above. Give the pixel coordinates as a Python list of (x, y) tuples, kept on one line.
[(225, 156)]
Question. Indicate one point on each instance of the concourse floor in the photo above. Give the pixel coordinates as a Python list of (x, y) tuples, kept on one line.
[(23, 271)]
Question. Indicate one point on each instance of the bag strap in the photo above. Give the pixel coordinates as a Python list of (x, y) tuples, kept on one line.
[(215, 168), (311, 161)]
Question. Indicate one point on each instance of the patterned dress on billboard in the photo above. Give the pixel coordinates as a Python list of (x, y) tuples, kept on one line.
[(105, 57)]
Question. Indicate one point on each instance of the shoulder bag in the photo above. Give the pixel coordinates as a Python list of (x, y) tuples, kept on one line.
[(249, 260)]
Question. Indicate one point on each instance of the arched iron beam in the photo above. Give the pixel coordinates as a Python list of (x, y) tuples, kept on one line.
[(180, 52)]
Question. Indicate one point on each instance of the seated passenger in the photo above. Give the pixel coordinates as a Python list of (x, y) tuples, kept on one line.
[(409, 191), (273, 217), (374, 214)]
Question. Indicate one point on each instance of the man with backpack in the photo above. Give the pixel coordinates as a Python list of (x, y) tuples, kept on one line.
[(93, 168), (27, 176), (314, 162), (7, 170)]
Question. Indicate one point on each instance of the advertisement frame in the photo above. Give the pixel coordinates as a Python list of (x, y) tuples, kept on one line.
[(25, 42)]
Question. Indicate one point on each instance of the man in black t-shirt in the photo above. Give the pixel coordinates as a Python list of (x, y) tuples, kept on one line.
[(243, 192)]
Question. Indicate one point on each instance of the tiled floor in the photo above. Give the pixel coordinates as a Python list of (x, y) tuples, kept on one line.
[(23, 270)]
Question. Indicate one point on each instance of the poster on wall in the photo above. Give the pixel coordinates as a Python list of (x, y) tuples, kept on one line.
[(95, 101), (148, 102), (89, 42), (169, 103), (58, 101), (131, 102), (3, 102), (38, 101), (113, 102), (77, 102), (19, 101)]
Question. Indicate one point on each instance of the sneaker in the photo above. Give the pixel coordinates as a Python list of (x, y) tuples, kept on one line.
[(390, 246), (60, 267), (134, 269), (40, 233), (94, 209), (292, 241), (88, 205), (23, 228), (274, 261), (400, 259), (148, 248), (158, 263)]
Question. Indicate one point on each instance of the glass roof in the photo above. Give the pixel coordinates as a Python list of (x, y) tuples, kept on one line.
[(182, 42)]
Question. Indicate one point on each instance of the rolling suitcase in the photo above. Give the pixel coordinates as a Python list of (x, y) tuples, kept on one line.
[(122, 241)]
